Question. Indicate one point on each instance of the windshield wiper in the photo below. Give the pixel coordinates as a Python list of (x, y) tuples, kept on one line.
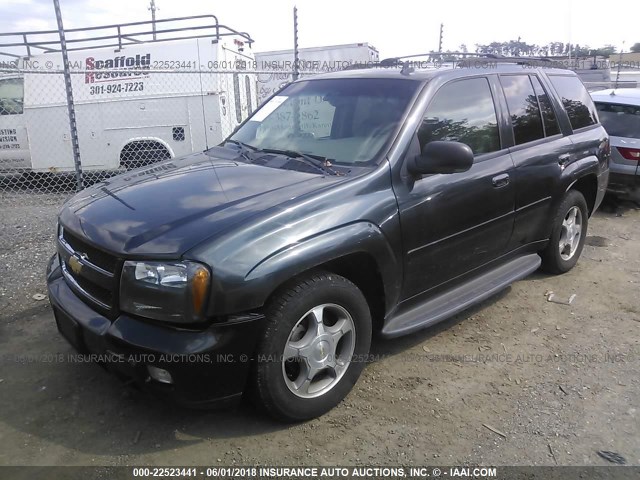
[(321, 163), (245, 149)]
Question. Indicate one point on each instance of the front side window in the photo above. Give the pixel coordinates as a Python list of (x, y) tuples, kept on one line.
[(523, 108), (346, 121), (620, 120), (11, 96), (462, 111), (576, 100)]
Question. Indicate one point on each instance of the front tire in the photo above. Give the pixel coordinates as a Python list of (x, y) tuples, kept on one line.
[(568, 233), (317, 334)]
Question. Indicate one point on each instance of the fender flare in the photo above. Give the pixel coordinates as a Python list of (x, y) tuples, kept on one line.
[(360, 237)]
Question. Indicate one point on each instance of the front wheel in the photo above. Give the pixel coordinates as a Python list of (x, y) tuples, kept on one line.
[(317, 335), (568, 233)]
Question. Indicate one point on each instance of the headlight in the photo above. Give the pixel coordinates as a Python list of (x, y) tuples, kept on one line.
[(169, 291)]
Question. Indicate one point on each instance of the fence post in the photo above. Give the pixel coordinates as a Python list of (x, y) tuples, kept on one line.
[(296, 70), (69, 90)]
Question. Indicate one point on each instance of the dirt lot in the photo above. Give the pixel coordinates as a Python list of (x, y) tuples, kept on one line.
[(560, 382)]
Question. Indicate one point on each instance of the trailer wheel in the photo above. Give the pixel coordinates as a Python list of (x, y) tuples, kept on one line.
[(141, 153)]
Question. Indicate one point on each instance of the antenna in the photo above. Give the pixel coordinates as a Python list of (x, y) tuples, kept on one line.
[(440, 41)]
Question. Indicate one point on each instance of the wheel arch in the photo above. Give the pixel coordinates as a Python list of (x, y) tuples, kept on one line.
[(587, 185), (358, 252), (141, 140)]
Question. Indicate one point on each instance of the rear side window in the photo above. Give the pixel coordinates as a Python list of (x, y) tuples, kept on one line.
[(549, 119), (523, 108), (576, 100), (462, 111), (620, 120)]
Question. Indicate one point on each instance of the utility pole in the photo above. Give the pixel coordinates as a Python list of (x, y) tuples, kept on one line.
[(152, 7), (440, 42)]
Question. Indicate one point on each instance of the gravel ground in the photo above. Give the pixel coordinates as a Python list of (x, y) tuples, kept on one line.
[(517, 380)]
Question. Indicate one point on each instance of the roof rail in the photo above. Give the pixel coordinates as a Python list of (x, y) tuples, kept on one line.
[(397, 61), (118, 35)]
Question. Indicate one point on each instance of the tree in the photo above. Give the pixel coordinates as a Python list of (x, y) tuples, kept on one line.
[(635, 48)]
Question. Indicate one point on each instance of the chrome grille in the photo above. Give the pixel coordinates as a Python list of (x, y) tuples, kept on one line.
[(90, 272)]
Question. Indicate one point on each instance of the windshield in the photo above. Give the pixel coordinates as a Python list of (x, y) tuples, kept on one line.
[(620, 120), (346, 121)]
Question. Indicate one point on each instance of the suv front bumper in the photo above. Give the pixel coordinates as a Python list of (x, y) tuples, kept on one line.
[(207, 367)]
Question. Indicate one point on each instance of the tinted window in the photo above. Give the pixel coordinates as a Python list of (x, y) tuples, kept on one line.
[(549, 118), (620, 120), (576, 100), (462, 111), (11, 96), (523, 108)]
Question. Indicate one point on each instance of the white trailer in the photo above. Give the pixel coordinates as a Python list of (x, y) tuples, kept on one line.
[(177, 91), (279, 63)]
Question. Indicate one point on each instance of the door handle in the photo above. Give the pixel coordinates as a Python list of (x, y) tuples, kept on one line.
[(500, 180)]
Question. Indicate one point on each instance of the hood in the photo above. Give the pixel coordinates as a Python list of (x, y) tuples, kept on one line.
[(166, 209)]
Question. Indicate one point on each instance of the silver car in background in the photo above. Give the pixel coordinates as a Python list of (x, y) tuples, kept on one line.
[(619, 112)]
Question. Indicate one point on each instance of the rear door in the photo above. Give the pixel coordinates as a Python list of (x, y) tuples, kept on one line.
[(242, 97), (454, 223), (539, 149)]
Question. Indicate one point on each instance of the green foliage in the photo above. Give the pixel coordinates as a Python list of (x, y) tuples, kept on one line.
[(518, 48)]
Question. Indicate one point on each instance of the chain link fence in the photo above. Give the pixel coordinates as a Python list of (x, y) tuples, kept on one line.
[(126, 119)]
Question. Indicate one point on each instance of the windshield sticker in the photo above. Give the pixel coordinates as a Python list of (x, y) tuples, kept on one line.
[(268, 108)]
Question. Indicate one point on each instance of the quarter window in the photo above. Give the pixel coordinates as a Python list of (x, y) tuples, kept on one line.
[(549, 119), (462, 111), (523, 108), (576, 100)]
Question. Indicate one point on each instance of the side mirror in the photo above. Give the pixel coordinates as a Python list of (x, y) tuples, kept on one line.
[(442, 157)]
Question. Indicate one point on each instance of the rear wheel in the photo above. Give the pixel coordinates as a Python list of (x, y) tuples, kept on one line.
[(141, 153), (568, 234), (318, 332)]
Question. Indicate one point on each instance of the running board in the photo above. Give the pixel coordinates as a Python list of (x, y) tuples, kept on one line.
[(453, 301)]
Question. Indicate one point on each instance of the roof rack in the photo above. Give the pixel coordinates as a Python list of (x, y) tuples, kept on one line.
[(118, 35), (397, 61)]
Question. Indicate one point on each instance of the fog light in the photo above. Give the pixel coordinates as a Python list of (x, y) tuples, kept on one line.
[(159, 374)]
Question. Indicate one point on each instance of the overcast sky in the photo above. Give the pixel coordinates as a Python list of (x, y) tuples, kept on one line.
[(394, 28)]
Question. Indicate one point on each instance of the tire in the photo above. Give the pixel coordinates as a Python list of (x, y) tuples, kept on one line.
[(142, 153), (295, 347), (560, 255)]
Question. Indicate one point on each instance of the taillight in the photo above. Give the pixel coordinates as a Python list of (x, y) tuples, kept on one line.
[(630, 153)]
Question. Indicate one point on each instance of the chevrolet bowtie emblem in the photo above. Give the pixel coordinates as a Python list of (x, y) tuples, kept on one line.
[(75, 264)]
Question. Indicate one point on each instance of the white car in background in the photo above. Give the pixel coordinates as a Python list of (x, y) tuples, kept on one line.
[(619, 112)]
